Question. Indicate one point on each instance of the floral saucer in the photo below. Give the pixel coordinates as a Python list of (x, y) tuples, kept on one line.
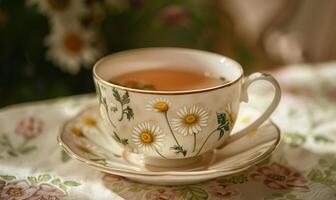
[(84, 137)]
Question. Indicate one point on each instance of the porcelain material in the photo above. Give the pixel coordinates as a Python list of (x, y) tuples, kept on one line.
[(85, 138), (167, 126)]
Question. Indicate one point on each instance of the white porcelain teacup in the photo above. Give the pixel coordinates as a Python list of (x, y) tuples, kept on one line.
[(157, 124)]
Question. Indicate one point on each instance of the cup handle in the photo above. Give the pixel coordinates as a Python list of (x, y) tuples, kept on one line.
[(244, 97)]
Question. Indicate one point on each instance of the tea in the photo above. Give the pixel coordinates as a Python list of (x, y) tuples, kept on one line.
[(166, 79)]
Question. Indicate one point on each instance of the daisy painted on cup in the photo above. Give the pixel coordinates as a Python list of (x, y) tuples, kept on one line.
[(162, 105), (148, 137), (158, 105), (190, 121)]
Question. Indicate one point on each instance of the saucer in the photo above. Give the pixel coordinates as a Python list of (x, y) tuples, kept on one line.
[(85, 138)]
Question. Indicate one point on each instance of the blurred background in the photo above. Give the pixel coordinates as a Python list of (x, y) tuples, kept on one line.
[(48, 47)]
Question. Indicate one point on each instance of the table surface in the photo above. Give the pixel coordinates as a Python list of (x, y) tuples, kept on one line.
[(33, 166)]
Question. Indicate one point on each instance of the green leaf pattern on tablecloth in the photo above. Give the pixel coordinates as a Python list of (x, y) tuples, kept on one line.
[(325, 174), (314, 122), (27, 128)]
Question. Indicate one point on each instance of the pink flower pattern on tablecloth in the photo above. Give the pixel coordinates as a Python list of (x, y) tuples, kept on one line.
[(47, 192), (18, 190), (278, 177), (29, 127), (112, 178), (223, 191), (2, 185), (161, 194)]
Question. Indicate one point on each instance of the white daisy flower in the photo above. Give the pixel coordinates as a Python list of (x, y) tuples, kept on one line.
[(71, 46), (148, 137), (64, 9), (191, 120), (158, 105)]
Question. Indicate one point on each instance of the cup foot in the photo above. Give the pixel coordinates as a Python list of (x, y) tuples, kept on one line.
[(141, 160)]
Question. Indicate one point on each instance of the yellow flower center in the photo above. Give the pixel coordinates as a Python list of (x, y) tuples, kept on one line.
[(58, 5), (146, 137), (15, 192), (90, 122), (77, 131), (190, 119), (73, 42), (30, 128), (161, 106)]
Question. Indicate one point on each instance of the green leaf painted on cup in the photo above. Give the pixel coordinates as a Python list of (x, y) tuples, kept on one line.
[(129, 113), (123, 100), (223, 123)]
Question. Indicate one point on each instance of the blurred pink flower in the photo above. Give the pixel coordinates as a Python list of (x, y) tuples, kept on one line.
[(278, 177), (18, 190), (223, 191), (112, 178), (161, 194), (175, 15), (29, 127), (47, 192)]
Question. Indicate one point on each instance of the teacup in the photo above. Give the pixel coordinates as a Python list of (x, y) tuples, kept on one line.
[(174, 128)]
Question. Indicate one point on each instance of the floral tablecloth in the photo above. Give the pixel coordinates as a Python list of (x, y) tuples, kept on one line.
[(32, 166)]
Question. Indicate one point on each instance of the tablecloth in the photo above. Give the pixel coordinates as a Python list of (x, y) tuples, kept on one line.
[(32, 165)]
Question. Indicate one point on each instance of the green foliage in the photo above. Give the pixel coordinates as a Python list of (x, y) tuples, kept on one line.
[(294, 139), (15, 151), (191, 192), (179, 149), (7, 177), (118, 187), (123, 100), (44, 177), (235, 179), (71, 183), (324, 175), (32, 180), (123, 141), (65, 156), (223, 123), (323, 139), (27, 149), (64, 184)]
